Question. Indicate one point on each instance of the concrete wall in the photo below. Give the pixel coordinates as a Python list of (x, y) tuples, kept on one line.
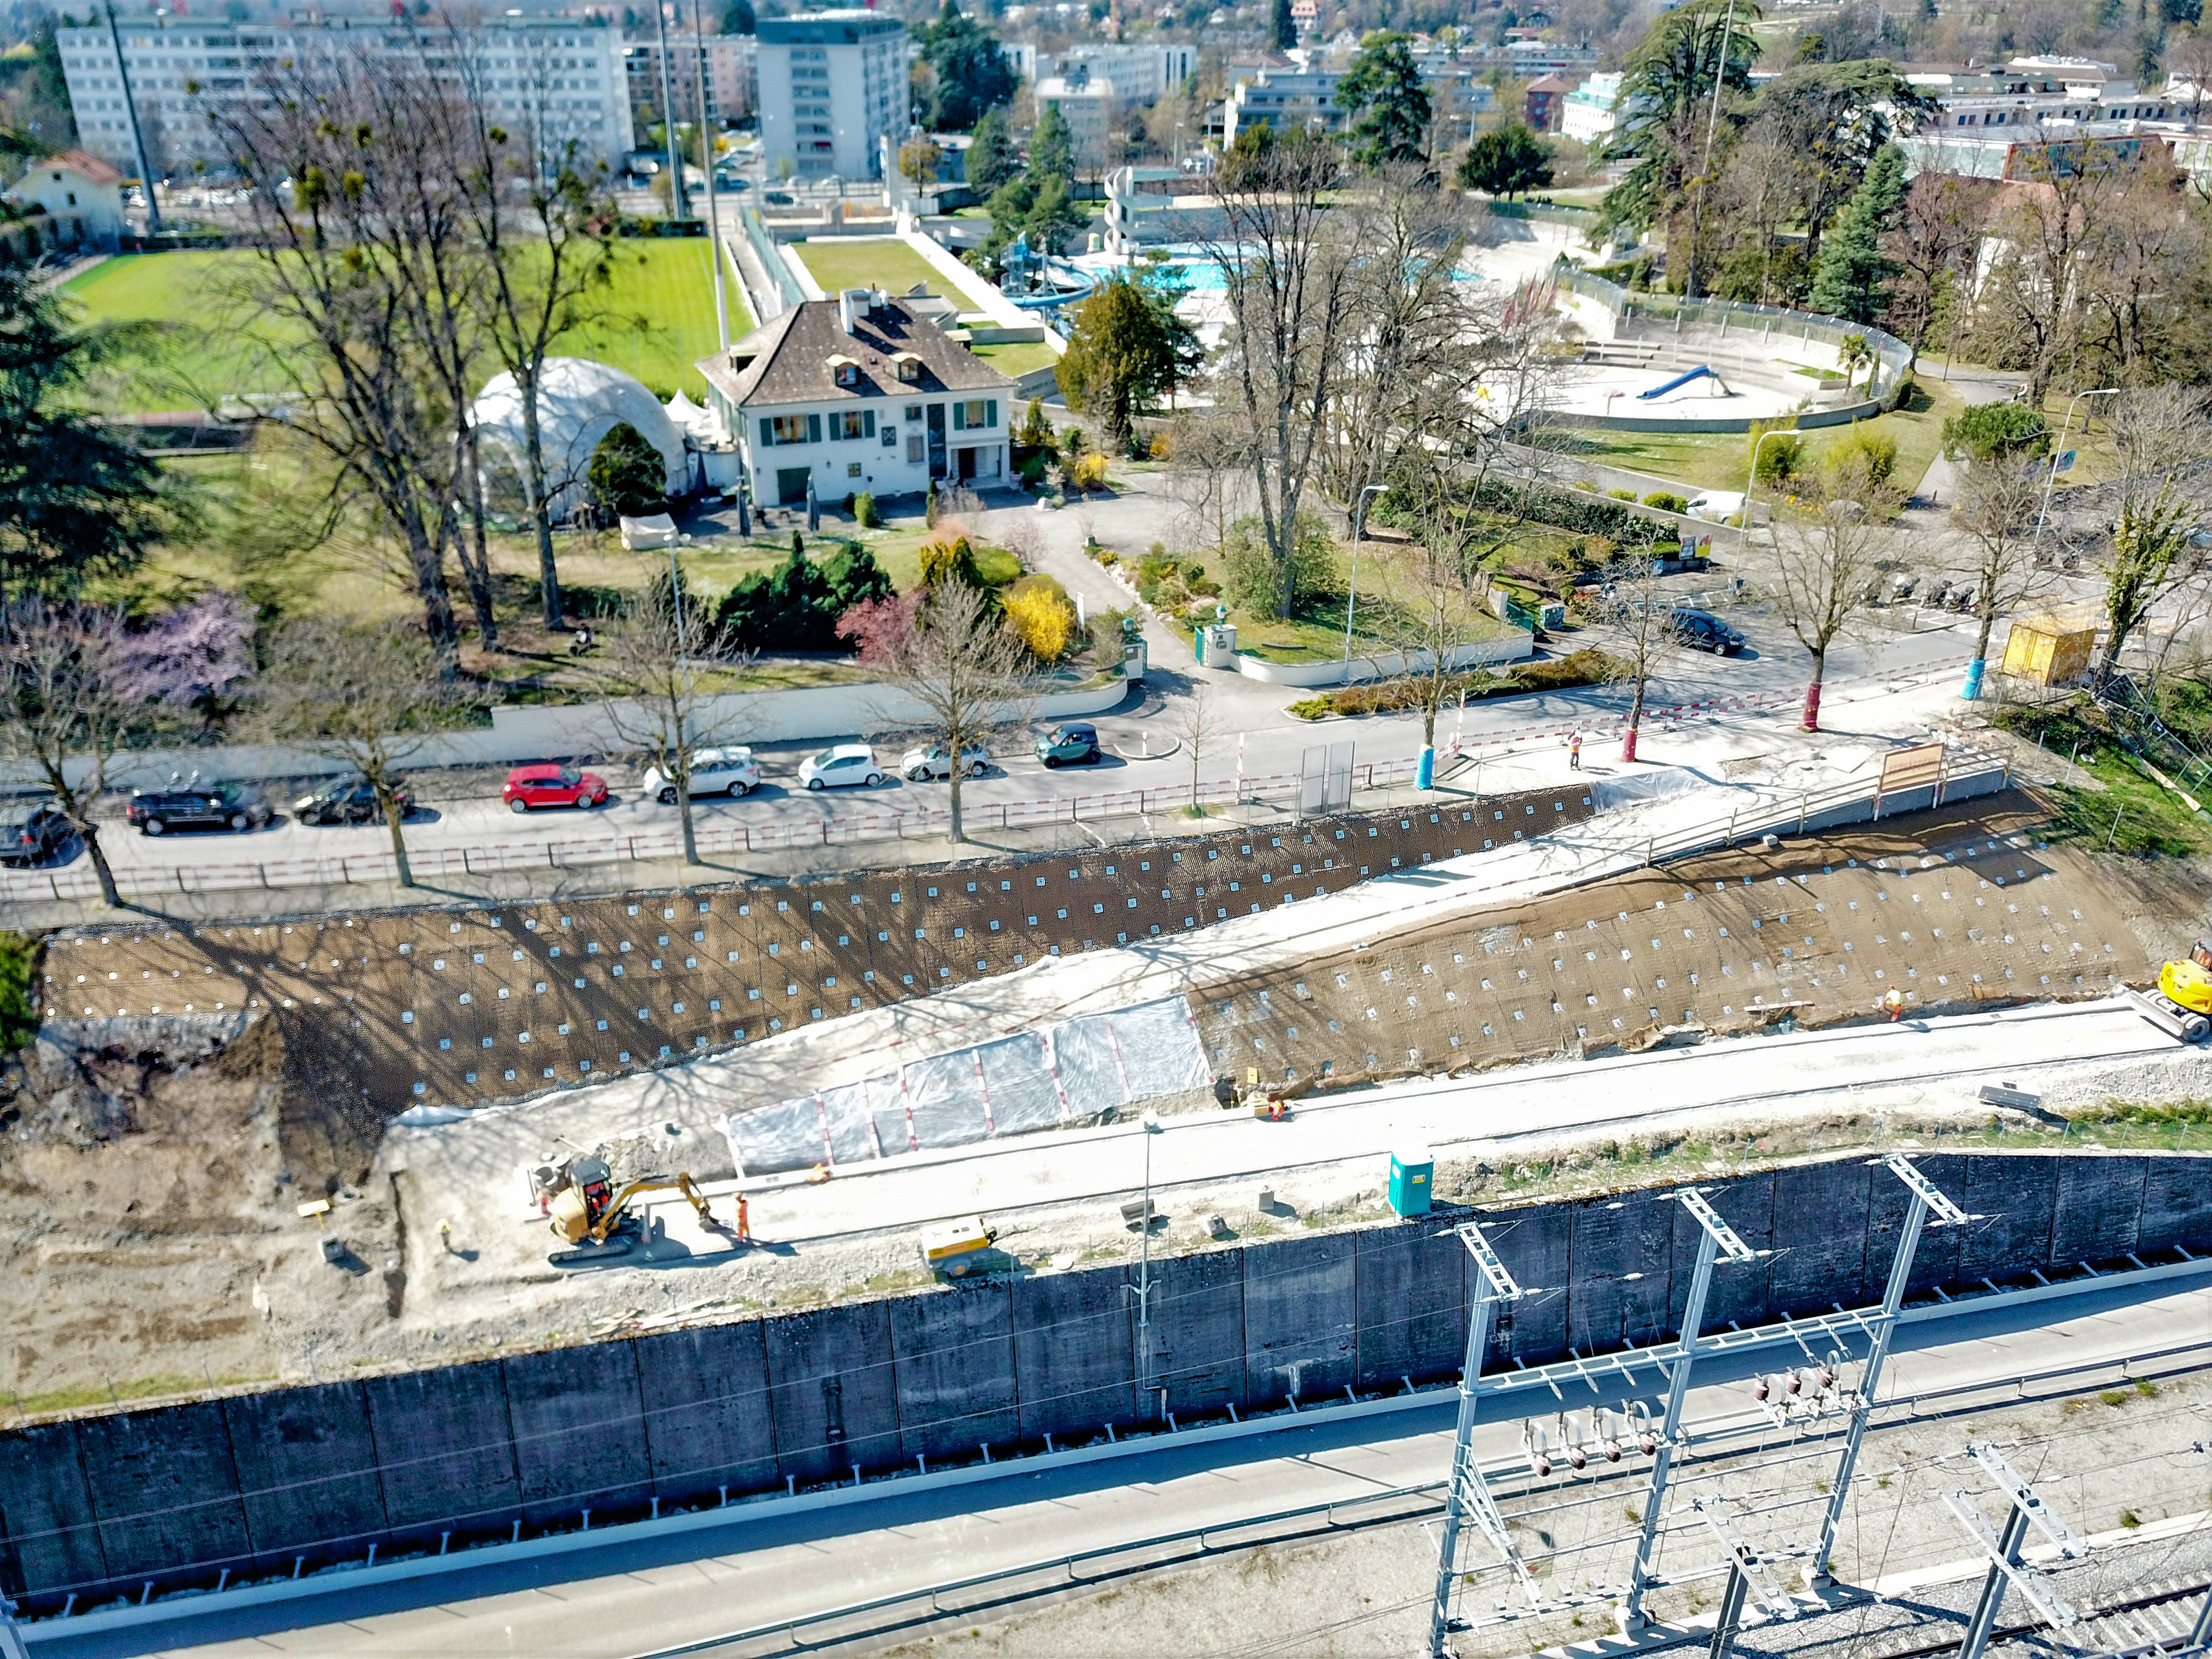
[(99, 1505)]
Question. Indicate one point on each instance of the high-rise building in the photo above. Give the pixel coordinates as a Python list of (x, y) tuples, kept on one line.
[(833, 86), (559, 80), (1087, 103), (729, 63), (1140, 74)]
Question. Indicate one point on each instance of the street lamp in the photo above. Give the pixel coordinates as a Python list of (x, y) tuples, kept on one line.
[(1751, 484), (1150, 1122), (1358, 527)]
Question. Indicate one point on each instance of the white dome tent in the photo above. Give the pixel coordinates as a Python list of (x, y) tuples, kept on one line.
[(578, 402)]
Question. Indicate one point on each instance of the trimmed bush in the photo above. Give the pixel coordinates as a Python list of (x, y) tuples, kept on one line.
[(864, 510), (1088, 471), (1667, 502), (1876, 449), (1042, 619), (1622, 495), (1988, 430)]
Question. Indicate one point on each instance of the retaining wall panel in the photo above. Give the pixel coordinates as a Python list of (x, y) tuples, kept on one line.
[(2177, 1207), (445, 1450), (579, 1432), (2098, 1208), (1198, 1330), (1618, 1251), (1409, 1302), (2015, 1196), (1300, 1322), (1072, 1352), (49, 1543), (834, 1390), (1819, 1238), (164, 1490), (1738, 1290), (954, 1352), (706, 1407), (307, 1471), (1533, 1242)]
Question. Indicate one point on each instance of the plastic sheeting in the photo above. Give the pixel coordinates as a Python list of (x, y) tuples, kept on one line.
[(1065, 1073)]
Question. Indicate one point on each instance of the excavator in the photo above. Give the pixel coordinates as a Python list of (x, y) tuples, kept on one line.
[(585, 1209), (2181, 1006)]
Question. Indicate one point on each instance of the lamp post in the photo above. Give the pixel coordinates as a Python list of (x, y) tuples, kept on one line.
[(1358, 527), (707, 158), (1972, 689), (1751, 484), (1144, 1286)]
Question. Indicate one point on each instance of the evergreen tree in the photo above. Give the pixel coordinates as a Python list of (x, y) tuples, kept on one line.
[(627, 474), (990, 154), (1387, 105), (1282, 27), (1051, 148), (738, 17), (1848, 280), (1506, 161), (1118, 359), (968, 72)]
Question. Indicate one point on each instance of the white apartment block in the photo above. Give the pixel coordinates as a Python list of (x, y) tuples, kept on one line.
[(833, 86), (1140, 74), (562, 81), (1087, 103), (725, 59), (1590, 113)]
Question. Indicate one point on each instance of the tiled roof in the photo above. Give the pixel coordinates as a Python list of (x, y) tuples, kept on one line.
[(787, 359)]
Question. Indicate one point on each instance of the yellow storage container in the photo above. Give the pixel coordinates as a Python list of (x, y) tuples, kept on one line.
[(2048, 650)]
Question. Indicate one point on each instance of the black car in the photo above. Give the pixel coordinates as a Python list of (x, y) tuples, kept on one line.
[(218, 806), (32, 831), (349, 800), (1701, 630)]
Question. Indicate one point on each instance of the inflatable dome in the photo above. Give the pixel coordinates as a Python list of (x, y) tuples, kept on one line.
[(578, 402)]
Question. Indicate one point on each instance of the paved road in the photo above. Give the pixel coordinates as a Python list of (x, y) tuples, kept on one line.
[(633, 1594)]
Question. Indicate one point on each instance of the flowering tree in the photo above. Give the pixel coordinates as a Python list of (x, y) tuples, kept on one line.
[(78, 682)]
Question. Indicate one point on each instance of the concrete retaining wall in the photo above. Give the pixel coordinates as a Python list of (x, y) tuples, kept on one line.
[(1517, 646), (100, 1505)]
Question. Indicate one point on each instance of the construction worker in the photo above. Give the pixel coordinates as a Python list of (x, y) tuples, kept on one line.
[(1893, 1004), (1575, 751), (745, 1221)]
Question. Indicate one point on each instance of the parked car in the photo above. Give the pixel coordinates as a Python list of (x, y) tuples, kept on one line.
[(777, 197), (1701, 630), (732, 772), (550, 785), (31, 831), (918, 765), (835, 768), (1069, 745), (349, 800), (1715, 505), (217, 806)]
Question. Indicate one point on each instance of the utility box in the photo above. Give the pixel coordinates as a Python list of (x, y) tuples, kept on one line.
[(1136, 656), (2049, 651), (1217, 646), (1412, 1172)]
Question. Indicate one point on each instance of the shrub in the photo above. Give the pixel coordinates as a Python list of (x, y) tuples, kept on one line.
[(1862, 446), (1158, 449), (944, 560), (1667, 502), (1622, 495), (1038, 612), (1140, 447), (627, 474), (864, 510), (929, 506), (1249, 576), (790, 608), (1088, 471), (1777, 450), (1988, 430), (19, 1012)]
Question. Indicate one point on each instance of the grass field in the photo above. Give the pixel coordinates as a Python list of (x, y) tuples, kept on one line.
[(1016, 359), (198, 339), (859, 261)]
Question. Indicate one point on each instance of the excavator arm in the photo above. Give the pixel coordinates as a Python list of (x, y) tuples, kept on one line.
[(681, 1181)]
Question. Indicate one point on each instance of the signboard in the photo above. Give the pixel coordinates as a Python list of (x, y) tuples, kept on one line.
[(2064, 463), (1903, 770)]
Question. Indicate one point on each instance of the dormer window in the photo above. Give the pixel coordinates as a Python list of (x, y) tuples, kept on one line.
[(845, 371), (909, 366)]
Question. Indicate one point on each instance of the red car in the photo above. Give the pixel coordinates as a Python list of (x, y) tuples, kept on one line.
[(552, 786)]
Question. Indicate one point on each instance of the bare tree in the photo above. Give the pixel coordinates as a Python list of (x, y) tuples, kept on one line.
[(368, 698), (1826, 562), (1287, 266), (1642, 613), (1996, 505), (78, 683), (1429, 611), (2028, 310), (1196, 724), (1937, 235), (952, 653), (2160, 445), (650, 699)]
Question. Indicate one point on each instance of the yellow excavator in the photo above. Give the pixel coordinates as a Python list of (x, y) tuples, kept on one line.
[(588, 1211), (2181, 1005)]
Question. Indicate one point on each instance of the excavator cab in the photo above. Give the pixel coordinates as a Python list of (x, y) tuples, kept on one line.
[(589, 1213), (577, 1207)]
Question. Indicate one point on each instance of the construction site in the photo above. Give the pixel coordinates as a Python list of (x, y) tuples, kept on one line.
[(1559, 1218)]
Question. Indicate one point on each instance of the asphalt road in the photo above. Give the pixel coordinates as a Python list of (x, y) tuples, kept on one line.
[(635, 1595)]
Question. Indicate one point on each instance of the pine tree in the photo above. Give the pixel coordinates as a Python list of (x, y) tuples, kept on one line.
[(1850, 279), (1283, 28), (990, 154), (1387, 106)]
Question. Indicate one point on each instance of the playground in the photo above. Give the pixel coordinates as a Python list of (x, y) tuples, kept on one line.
[(1668, 395)]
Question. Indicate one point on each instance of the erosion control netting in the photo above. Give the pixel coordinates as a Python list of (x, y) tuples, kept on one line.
[(1069, 1072)]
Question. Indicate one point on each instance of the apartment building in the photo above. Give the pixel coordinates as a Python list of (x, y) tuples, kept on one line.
[(1087, 103), (833, 86), (1284, 100), (561, 80), (726, 59), (1140, 74), (1589, 114)]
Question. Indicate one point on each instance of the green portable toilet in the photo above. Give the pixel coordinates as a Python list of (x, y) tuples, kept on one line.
[(1412, 1173)]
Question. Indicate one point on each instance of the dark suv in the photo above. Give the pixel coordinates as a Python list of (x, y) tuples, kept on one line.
[(1701, 630), (1068, 746), (32, 831), (218, 806), (349, 800)]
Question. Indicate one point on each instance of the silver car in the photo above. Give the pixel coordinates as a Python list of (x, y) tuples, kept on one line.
[(918, 765), (732, 772)]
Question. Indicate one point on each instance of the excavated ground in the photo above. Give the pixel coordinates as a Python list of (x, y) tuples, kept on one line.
[(152, 1245)]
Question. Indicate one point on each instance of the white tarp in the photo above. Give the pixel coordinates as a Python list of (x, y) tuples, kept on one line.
[(1066, 1074), (641, 535)]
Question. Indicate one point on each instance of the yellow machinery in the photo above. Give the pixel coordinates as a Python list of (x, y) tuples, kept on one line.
[(588, 1211), (951, 1248), (2182, 1003)]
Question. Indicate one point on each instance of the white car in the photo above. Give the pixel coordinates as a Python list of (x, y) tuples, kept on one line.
[(845, 763), (917, 765), (1715, 505), (730, 772)]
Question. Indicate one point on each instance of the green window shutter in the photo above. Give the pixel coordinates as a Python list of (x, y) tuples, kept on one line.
[(867, 424), (767, 433), (992, 419), (959, 417), (814, 429)]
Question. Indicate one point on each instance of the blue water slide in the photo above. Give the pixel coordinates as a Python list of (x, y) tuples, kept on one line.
[(1683, 379)]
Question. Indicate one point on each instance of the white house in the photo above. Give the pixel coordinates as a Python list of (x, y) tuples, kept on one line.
[(75, 187), (860, 393), (1591, 110)]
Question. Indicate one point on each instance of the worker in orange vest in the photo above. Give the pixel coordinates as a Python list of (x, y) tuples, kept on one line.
[(745, 1221), (1893, 1004)]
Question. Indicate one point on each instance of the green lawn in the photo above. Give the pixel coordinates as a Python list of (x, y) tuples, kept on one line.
[(839, 261), (1016, 359), (197, 337)]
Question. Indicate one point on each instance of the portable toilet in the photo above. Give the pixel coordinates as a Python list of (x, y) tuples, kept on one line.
[(1411, 1174)]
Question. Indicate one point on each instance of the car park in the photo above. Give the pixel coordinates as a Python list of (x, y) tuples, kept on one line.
[(216, 807), (31, 831), (1069, 745), (732, 772), (349, 800), (1701, 630), (842, 765), (552, 785), (931, 761)]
